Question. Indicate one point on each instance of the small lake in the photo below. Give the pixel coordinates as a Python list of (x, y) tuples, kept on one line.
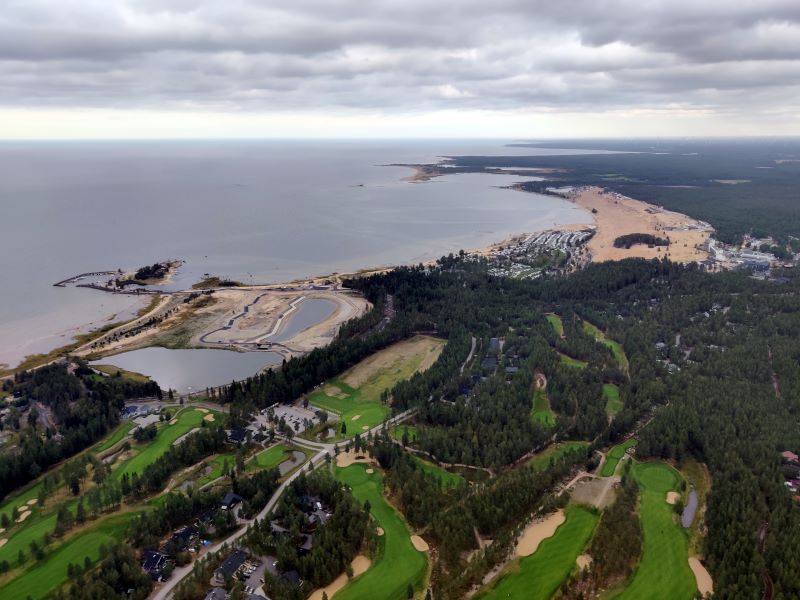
[(309, 312), (691, 508), (192, 370)]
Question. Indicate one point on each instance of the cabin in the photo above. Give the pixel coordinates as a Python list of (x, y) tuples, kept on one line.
[(790, 456), (230, 566), (237, 436), (230, 501)]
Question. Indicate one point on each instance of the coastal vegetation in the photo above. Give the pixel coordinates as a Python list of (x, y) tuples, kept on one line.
[(631, 239)]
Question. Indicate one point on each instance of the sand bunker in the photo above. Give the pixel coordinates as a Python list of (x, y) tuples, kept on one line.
[(705, 585), (2, 530), (359, 565), (538, 531), (23, 516), (345, 459), (370, 471), (3, 542), (379, 531), (672, 497), (419, 543), (32, 502), (356, 417), (173, 421), (583, 561), (208, 418), (365, 428), (202, 410)]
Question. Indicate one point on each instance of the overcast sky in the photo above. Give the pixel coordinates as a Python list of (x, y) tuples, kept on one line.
[(408, 68)]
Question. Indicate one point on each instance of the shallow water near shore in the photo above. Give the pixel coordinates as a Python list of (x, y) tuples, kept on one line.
[(251, 211), (192, 370), (309, 312)]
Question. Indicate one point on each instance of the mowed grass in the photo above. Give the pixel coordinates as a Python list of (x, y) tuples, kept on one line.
[(187, 420), (541, 412), (572, 362), (538, 576), (397, 563), (115, 436), (51, 572), (664, 569), (614, 346), (217, 464), (613, 402), (556, 323), (356, 395), (447, 478), (615, 455), (269, 458), (542, 460)]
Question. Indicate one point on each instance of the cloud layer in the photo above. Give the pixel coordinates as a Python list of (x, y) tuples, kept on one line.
[(403, 56)]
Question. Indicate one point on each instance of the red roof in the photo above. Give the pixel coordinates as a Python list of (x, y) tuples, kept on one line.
[(789, 455)]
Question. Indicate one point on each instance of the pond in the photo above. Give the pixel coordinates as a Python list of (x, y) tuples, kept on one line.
[(309, 312), (192, 370), (691, 508)]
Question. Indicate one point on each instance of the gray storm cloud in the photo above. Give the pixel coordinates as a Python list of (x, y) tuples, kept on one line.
[(399, 56)]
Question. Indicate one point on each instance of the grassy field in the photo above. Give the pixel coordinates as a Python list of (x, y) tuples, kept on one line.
[(541, 411), (613, 403), (614, 455), (130, 375), (50, 573), (542, 460), (556, 322), (572, 362), (397, 562), (115, 436), (269, 458), (664, 569), (447, 478), (615, 347), (356, 395), (538, 576)]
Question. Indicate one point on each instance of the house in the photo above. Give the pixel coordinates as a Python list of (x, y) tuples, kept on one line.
[(230, 501), (230, 566), (153, 564), (292, 577), (182, 539), (495, 345), (512, 370), (489, 363), (790, 456), (237, 436), (259, 438), (305, 547), (215, 594)]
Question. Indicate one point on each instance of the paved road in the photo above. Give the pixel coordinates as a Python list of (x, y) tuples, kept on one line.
[(165, 592)]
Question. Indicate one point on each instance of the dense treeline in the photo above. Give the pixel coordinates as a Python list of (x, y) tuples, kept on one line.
[(84, 405), (631, 239), (119, 577)]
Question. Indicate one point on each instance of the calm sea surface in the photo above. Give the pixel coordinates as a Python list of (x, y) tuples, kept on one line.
[(254, 211)]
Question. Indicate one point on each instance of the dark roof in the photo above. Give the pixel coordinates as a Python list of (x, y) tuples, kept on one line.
[(207, 516), (292, 577), (232, 563), (255, 597), (237, 435), (512, 370), (184, 535), (259, 437), (215, 594), (230, 500), (489, 362), (153, 561)]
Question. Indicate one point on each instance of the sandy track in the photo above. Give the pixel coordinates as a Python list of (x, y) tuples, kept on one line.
[(616, 216), (538, 531)]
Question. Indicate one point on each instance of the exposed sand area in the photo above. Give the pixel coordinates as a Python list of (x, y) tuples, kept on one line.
[(202, 410), (599, 492), (355, 417), (423, 348), (370, 471), (359, 565), (32, 502), (583, 561), (209, 418), (419, 543), (173, 421), (23, 516), (705, 585), (345, 459), (617, 216), (379, 530), (3, 542), (538, 531), (672, 497)]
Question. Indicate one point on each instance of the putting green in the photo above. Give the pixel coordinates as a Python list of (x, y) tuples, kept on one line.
[(269, 458), (354, 409), (615, 455), (663, 572), (538, 576), (613, 403), (541, 412), (397, 563)]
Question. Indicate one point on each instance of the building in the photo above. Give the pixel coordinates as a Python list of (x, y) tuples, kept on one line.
[(292, 577), (230, 501), (230, 566), (215, 594), (182, 539), (237, 436), (153, 564), (790, 456)]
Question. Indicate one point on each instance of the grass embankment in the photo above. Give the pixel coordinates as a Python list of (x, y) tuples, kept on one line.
[(113, 371), (115, 436), (614, 346), (556, 323), (613, 402), (538, 576), (355, 396), (215, 282), (572, 362), (664, 569), (447, 478), (37, 360), (396, 563), (541, 412), (542, 460), (615, 455)]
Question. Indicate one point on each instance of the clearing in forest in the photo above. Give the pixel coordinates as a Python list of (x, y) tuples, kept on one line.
[(541, 412), (664, 569), (396, 563), (447, 478), (556, 322), (572, 362), (356, 395), (615, 455), (614, 346), (542, 460), (613, 402), (538, 576)]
